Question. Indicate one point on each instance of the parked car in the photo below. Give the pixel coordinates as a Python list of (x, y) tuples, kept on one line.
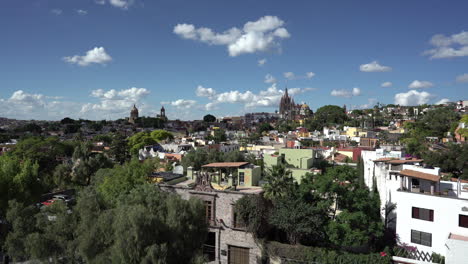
[(49, 202), (66, 198)]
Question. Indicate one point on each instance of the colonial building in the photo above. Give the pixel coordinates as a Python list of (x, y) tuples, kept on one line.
[(289, 110), (133, 115), (227, 241)]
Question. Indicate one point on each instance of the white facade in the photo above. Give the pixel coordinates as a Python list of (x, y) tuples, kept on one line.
[(448, 200), (446, 221)]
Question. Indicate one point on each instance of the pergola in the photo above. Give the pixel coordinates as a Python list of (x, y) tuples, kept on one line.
[(412, 174), (229, 167)]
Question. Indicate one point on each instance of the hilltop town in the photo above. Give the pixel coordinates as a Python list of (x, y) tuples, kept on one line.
[(382, 184)]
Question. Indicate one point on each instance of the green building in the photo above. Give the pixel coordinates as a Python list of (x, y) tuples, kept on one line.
[(298, 161)]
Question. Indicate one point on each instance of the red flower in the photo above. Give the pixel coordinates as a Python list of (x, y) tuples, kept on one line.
[(383, 254)]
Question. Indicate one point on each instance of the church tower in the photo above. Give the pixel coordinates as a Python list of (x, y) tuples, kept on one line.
[(133, 115)]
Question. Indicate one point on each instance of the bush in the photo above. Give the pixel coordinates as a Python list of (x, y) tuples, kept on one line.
[(299, 253)]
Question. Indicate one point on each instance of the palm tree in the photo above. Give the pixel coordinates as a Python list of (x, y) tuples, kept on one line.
[(279, 182)]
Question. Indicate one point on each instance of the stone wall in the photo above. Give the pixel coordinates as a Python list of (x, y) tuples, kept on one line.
[(223, 221)]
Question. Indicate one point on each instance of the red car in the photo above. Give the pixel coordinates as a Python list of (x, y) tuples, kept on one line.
[(49, 202)]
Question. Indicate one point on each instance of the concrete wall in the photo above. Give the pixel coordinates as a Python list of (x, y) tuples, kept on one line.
[(251, 176), (299, 158), (446, 213)]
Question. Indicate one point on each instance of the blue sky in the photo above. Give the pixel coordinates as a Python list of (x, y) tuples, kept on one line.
[(96, 58)]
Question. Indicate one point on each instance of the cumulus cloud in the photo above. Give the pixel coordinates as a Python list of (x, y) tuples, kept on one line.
[(293, 76), (309, 75), (386, 84), (24, 105), (412, 97), (264, 98), (113, 103), (442, 101), (205, 92), (452, 46), (289, 75), (462, 78), (262, 62), (346, 93), (374, 67), (257, 36), (370, 104), (182, 103), (97, 55), (416, 84), (56, 11), (81, 12), (269, 79), (124, 4)]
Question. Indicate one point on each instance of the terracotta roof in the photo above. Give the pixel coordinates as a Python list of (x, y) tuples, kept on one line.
[(404, 161), (420, 175), (456, 180), (225, 165), (384, 159)]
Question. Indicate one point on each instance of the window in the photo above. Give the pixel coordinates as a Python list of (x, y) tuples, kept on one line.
[(237, 221), (241, 178), (423, 214), (208, 211), (463, 221), (421, 238)]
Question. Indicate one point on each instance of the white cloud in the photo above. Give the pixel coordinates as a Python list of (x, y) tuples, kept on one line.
[(81, 12), (270, 79), (416, 84), (346, 93), (412, 97), (24, 105), (309, 75), (452, 46), (386, 84), (442, 101), (124, 4), (370, 104), (97, 55), (264, 98), (182, 103), (289, 75), (462, 78), (56, 11), (205, 92), (374, 67), (293, 76), (262, 62), (113, 103), (257, 36)]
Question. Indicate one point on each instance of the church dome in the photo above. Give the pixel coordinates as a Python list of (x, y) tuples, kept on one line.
[(134, 110)]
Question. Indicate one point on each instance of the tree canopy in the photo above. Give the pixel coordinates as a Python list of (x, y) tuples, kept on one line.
[(209, 118)]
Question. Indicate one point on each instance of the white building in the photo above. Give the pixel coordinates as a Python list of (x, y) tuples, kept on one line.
[(431, 215)]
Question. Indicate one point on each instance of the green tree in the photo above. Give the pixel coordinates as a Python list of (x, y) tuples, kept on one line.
[(219, 135), (195, 159), (118, 148), (161, 135), (139, 140), (453, 159), (209, 118), (325, 116), (19, 181), (298, 219)]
